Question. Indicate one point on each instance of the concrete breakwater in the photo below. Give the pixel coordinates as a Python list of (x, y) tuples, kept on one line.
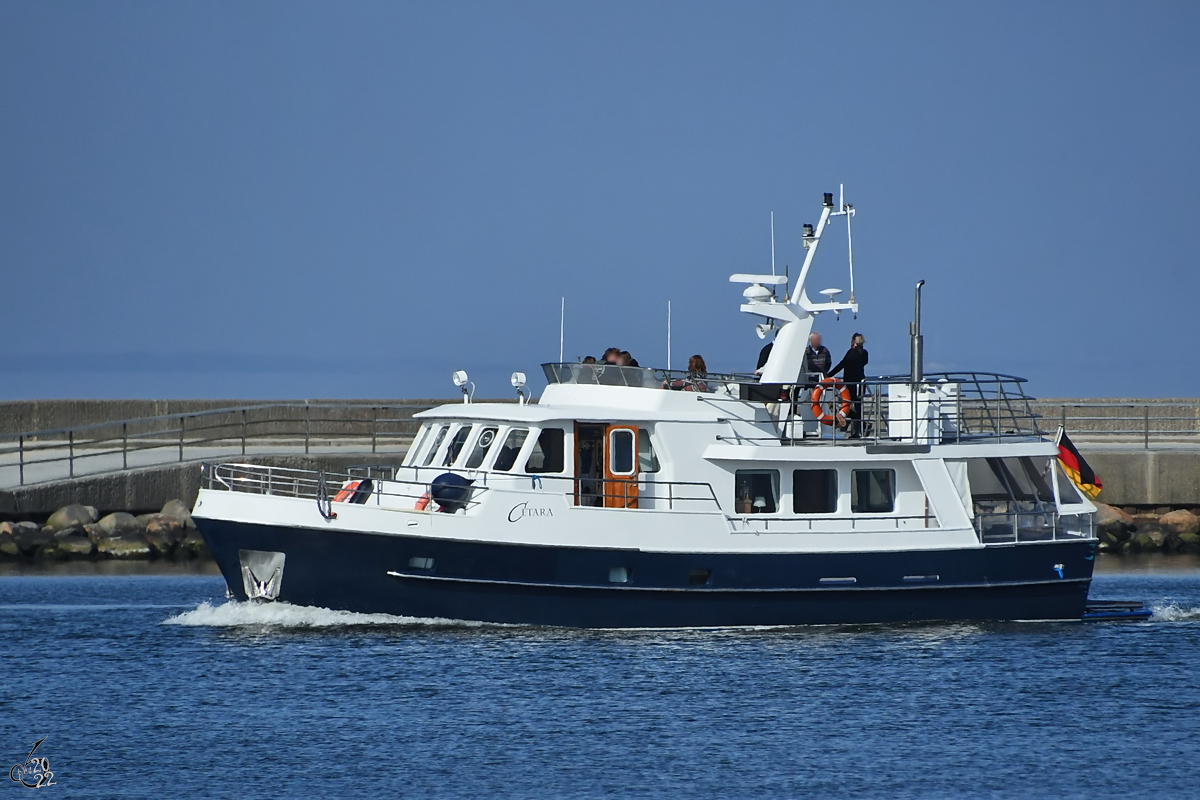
[(78, 532)]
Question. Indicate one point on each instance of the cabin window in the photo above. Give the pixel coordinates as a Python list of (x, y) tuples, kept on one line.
[(756, 491), (482, 445), (414, 452), (437, 443), (873, 491), (547, 454), (814, 491), (620, 448), (511, 448), (456, 445), (647, 460)]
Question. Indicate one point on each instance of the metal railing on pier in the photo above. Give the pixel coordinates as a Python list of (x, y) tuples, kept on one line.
[(64, 453), (1130, 422)]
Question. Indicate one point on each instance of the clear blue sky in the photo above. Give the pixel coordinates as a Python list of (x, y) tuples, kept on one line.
[(290, 199)]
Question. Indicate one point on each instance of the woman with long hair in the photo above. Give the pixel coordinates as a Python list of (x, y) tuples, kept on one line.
[(855, 365)]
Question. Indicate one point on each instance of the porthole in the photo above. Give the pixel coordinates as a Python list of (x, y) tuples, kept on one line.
[(420, 563), (618, 575)]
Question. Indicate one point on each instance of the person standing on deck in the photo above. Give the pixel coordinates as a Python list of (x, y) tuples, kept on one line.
[(854, 363), (816, 358)]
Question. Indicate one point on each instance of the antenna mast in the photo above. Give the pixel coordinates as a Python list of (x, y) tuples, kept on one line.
[(668, 336), (772, 242), (562, 324)]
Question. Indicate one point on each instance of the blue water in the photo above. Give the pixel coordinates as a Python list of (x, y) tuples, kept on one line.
[(153, 685)]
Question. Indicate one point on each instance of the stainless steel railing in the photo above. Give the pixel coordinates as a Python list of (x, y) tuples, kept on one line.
[(56, 454), (318, 485)]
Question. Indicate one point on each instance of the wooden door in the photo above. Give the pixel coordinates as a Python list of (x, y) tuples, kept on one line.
[(620, 466)]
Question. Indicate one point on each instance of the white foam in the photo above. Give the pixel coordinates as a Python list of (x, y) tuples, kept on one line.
[(1173, 612), (236, 614)]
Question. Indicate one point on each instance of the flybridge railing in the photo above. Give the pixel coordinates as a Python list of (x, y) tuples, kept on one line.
[(642, 377), (64, 453), (943, 408)]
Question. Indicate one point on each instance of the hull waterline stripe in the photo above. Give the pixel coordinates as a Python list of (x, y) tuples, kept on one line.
[(732, 590)]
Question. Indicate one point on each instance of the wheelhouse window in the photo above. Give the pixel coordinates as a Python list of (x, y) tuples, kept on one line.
[(456, 445), (814, 491), (437, 443), (756, 491), (647, 460), (507, 457), (547, 453), (620, 448), (873, 491), (482, 445), (414, 452)]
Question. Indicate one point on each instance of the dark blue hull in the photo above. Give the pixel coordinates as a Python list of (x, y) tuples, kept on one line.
[(420, 577)]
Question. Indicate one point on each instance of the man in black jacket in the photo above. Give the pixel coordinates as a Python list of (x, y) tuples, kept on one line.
[(816, 356)]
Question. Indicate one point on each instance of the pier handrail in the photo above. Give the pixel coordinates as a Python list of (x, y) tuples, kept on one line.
[(94, 448)]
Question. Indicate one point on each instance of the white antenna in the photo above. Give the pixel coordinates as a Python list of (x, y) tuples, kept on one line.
[(772, 242), (849, 240), (562, 324), (668, 336)]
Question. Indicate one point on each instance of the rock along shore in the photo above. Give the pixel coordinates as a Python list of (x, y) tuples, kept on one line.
[(1131, 530), (77, 532)]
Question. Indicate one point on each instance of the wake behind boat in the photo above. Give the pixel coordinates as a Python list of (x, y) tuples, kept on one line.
[(637, 497)]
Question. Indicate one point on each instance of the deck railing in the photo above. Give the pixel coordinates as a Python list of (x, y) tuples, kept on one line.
[(323, 487)]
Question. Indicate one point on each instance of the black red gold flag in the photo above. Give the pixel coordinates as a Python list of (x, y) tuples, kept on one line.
[(1076, 466)]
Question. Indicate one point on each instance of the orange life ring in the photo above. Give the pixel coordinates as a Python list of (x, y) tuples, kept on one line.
[(423, 502), (348, 490), (842, 391)]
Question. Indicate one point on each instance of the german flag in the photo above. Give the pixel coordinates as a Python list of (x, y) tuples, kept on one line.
[(1076, 467)]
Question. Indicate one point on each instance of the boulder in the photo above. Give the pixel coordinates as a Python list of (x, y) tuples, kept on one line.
[(1114, 522), (177, 509), (192, 546), (30, 539), (1146, 541), (121, 523), (93, 532), (71, 516), (132, 546), (1178, 522), (163, 533), (1189, 542), (50, 552), (75, 546), (8, 547)]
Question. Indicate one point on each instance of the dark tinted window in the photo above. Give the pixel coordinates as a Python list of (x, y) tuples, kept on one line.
[(814, 491), (756, 491), (456, 445), (620, 444), (547, 455), (512, 446), (873, 491)]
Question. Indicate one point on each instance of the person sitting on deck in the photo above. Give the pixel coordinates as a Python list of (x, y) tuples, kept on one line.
[(697, 371)]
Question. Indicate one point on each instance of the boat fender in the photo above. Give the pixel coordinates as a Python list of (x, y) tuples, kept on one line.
[(840, 411), (423, 502)]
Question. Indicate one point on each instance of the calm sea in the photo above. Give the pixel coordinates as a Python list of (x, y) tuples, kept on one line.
[(152, 684)]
